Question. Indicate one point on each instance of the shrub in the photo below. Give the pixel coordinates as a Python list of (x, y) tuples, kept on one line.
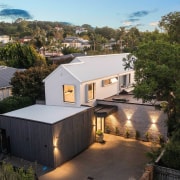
[(14, 102), (137, 135), (171, 157), (7, 171), (117, 131), (107, 129), (99, 132), (127, 133)]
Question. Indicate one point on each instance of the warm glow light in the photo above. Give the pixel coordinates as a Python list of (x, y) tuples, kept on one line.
[(128, 124), (98, 125), (153, 116), (55, 142), (153, 121), (129, 113), (153, 127), (114, 120), (128, 121), (113, 80)]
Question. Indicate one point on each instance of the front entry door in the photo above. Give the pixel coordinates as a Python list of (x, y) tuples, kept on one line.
[(100, 123)]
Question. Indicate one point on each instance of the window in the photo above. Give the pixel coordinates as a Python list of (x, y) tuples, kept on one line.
[(129, 78), (125, 80), (69, 93), (90, 91), (109, 81)]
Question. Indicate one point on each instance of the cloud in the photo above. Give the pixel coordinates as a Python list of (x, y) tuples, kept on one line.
[(14, 13), (137, 25), (154, 23), (139, 14), (133, 19), (3, 6), (127, 23)]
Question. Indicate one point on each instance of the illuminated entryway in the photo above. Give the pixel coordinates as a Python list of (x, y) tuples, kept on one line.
[(100, 123), (101, 112)]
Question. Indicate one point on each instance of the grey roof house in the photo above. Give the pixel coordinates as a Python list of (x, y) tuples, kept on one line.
[(6, 73)]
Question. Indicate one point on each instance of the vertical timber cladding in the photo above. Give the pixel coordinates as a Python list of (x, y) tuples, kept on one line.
[(72, 135), (29, 140)]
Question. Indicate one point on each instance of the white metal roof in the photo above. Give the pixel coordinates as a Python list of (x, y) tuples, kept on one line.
[(88, 68), (45, 114)]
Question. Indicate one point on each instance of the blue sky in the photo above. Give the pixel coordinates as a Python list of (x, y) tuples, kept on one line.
[(143, 14)]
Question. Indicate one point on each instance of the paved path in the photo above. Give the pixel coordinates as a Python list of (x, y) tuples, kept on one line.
[(117, 159)]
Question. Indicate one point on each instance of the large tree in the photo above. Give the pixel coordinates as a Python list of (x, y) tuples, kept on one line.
[(29, 82), (171, 24), (157, 74), (21, 56)]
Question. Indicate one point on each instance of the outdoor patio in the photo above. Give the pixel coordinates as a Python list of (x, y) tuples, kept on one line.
[(117, 159)]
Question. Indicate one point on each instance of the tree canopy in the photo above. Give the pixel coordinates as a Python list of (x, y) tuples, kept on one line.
[(157, 73), (170, 23), (29, 82), (20, 56)]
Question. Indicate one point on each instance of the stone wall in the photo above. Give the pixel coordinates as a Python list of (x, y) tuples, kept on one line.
[(136, 121)]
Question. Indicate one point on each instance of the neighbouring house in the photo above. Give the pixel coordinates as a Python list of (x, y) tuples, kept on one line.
[(64, 59), (4, 39), (80, 30), (76, 42), (6, 73), (88, 94), (25, 39), (109, 45)]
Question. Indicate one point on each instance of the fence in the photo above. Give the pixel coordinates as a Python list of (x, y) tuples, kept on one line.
[(163, 173)]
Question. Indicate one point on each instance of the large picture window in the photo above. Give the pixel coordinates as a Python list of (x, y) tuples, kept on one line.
[(90, 91), (69, 93)]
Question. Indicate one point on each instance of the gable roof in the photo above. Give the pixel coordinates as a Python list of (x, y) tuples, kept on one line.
[(6, 73), (87, 68)]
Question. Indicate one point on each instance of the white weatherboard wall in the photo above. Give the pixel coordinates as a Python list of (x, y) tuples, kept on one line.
[(54, 88), (101, 91)]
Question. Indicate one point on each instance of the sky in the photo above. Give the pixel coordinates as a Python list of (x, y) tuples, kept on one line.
[(143, 14)]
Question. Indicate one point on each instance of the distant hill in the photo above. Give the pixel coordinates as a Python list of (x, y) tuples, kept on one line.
[(66, 23)]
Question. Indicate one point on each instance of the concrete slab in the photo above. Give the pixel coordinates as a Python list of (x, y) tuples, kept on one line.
[(117, 159)]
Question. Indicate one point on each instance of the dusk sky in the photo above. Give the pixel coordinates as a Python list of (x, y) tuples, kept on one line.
[(144, 14)]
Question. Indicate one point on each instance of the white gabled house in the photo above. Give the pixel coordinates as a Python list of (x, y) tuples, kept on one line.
[(52, 134), (86, 79)]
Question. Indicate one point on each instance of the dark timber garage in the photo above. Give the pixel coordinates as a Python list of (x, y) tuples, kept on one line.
[(49, 135)]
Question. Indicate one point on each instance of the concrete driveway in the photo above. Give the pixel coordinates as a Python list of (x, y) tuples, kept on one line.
[(117, 159)]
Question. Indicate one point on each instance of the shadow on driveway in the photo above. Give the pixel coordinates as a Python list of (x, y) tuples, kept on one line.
[(117, 159)]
